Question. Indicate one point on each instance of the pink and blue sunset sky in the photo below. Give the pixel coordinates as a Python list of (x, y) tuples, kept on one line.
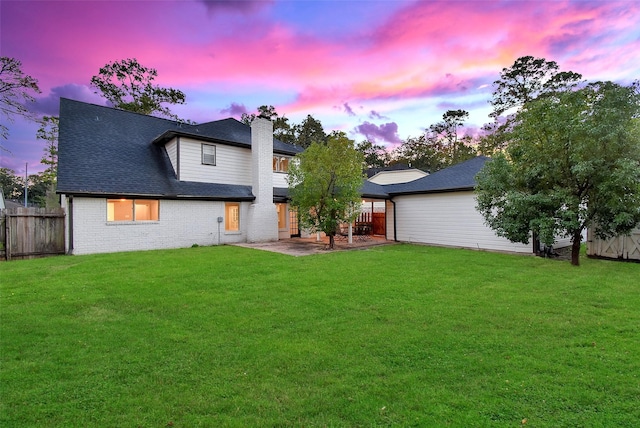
[(377, 70)]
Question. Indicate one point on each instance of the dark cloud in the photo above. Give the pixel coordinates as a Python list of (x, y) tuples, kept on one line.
[(375, 115), (244, 6), (348, 109), (234, 110), (385, 133), (576, 36), (50, 105)]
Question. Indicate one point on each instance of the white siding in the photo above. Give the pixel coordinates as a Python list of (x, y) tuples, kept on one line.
[(280, 179), (448, 219), (389, 216), (233, 164), (180, 224), (401, 176), (172, 150)]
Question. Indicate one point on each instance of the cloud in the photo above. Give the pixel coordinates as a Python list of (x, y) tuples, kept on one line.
[(244, 6), (348, 109), (375, 115), (234, 110), (385, 133), (50, 104)]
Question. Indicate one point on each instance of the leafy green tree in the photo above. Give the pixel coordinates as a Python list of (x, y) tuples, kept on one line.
[(40, 191), (129, 86), (418, 152), (526, 80), (281, 128), (375, 155), (16, 89), (310, 131), (573, 161), (12, 186), (324, 183), (48, 132), (444, 136), (440, 147)]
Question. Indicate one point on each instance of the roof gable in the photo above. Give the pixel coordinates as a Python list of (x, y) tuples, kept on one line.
[(227, 131), (105, 151), (454, 178)]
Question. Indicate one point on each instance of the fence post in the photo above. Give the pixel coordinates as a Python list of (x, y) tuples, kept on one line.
[(7, 238)]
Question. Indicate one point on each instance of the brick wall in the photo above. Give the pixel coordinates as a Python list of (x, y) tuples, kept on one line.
[(180, 224)]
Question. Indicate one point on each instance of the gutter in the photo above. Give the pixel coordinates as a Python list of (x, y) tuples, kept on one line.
[(395, 228), (426, 192), (110, 195), (70, 206)]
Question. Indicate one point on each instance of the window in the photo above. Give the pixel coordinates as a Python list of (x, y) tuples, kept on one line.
[(208, 154), (282, 215), (132, 210), (232, 217), (280, 163)]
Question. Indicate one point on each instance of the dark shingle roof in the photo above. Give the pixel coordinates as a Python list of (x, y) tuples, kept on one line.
[(455, 178), (396, 167), (373, 190), (229, 131), (104, 151)]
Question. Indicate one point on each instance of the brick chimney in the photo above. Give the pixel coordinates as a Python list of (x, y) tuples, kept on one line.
[(262, 215)]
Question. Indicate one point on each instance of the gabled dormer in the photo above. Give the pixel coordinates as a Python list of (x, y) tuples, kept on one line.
[(220, 152)]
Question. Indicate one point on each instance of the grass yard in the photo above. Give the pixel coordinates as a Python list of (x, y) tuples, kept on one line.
[(400, 335)]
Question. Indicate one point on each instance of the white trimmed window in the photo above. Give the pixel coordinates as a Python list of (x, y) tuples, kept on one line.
[(280, 163), (232, 217), (132, 209), (208, 154)]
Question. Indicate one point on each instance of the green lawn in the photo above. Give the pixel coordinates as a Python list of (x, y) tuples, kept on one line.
[(400, 335)]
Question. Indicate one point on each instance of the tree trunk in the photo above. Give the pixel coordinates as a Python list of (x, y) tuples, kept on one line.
[(575, 247), (331, 241)]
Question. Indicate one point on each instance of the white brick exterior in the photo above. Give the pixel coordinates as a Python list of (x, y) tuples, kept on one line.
[(181, 224), (262, 217)]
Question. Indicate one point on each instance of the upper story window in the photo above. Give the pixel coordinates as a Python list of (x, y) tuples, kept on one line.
[(280, 163), (132, 210), (208, 154)]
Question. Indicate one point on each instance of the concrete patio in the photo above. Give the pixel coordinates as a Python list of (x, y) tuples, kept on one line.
[(309, 246)]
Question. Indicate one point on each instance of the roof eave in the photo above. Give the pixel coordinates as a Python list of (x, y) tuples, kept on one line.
[(167, 136), (111, 195), (424, 192)]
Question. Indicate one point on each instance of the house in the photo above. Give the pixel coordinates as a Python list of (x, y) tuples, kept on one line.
[(135, 182), (439, 209)]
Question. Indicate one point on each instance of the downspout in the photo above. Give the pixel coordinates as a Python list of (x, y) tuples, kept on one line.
[(70, 207), (395, 229), (178, 157)]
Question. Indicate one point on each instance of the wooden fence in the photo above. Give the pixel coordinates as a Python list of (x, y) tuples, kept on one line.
[(31, 232), (620, 247), (374, 222)]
